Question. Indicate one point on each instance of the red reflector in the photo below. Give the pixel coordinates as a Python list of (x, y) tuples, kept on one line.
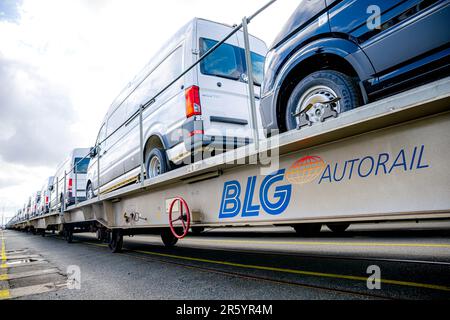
[(193, 106), (193, 133)]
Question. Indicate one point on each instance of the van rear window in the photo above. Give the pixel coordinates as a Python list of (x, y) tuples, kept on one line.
[(82, 165), (228, 61), (223, 62)]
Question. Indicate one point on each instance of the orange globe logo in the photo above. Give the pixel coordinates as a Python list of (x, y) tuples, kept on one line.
[(305, 170)]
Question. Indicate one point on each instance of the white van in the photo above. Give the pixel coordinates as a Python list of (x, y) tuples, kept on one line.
[(75, 186), (207, 108), (44, 204), (35, 199)]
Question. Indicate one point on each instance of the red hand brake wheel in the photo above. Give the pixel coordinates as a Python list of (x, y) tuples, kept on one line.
[(183, 218)]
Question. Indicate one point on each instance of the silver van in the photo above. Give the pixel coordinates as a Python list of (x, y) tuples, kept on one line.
[(74, 188), (44, 204), (205, 109)]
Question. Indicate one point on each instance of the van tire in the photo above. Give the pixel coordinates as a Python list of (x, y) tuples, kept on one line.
[(161, 165), (90, 191), (341, 84)]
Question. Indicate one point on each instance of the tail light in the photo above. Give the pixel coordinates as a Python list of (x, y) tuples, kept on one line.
[(46, 199), (70, 184), (193, 106)]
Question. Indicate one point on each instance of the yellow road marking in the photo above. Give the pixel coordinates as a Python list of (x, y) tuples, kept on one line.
[(312, 243), (4, 293), (291, 271)]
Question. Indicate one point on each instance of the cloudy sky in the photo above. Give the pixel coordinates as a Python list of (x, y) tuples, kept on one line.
[(63, 61)]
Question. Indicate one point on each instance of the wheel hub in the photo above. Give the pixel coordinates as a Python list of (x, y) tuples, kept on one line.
[(313, 103)]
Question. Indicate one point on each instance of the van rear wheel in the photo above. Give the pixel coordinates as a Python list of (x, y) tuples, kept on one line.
[(156, 163), (311, 95), (90, 192)]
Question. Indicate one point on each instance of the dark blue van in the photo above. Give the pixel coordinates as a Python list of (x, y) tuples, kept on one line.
[(335, 55)]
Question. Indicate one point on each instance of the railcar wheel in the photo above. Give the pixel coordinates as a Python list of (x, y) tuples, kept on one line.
[(307, 230), (197, 230), (116, 241), (69, 235), (168, 238), (338, 227)]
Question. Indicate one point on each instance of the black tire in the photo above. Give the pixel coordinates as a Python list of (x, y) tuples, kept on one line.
[(197, 230), (307, 229), (338, 227), (168, 238), (69, 235), (161, 156), (43, 233), (344, 86), (116, 241), (99, 235)]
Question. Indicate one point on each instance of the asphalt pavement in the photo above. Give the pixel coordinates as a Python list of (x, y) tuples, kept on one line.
[(389, 261)]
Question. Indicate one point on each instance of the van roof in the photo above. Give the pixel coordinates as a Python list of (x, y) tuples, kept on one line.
[(154, 61)]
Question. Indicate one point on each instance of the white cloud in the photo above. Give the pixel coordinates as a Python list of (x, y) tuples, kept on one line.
[(68, 59)]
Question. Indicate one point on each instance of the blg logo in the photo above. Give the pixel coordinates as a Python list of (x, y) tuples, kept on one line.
[(274, 197)]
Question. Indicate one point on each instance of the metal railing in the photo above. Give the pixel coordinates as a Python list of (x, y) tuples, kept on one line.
[(61, 202)]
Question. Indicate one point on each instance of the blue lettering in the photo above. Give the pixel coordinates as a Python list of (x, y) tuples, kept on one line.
[(231, 205), (250, 210), (400, 162), (343, 173), (420, 165), (382, 163), (372, 160), (283, 193), (326, 174), (352, 167), (413, 159)]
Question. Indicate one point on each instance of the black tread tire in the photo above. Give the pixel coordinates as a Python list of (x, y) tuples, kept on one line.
[(116, 241), (168, 238), (344, 86), (307, 229), (338, 227), (161, 154)]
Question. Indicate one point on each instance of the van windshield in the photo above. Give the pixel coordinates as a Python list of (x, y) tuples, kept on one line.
[(228, 61), (82, 165)]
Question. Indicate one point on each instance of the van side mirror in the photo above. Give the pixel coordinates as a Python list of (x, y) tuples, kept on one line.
[(50, 188), (93, 153)]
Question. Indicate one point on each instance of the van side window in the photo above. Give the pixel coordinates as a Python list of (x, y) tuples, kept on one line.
[(161, 76), (223, 62)]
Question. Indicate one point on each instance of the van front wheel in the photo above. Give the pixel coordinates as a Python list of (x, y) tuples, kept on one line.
[(311, 96), (156, 163)]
